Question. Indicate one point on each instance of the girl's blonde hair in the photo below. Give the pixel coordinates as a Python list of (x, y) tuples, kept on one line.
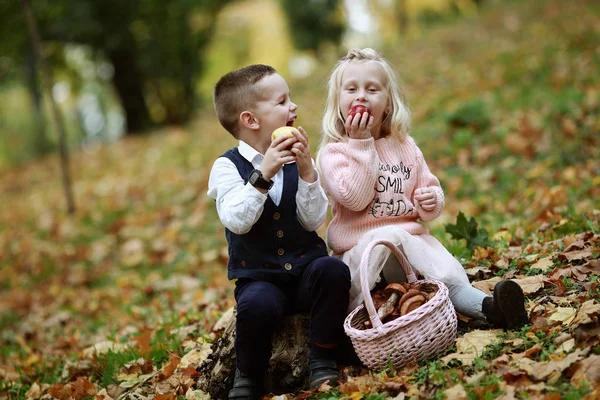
[(396, 122)]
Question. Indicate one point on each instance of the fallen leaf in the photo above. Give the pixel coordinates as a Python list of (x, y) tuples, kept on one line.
[(551, 370), (587, 370), (566, 347), (456, 392), (576, 255), (34, 392), (587, 334), (591, 267), (487, 285), (196, 356), (568, 272), (196, 395), (103, 348), (544, 263), (169, 367), (471, 345), (564, 314), (531, 284), (588, 312)]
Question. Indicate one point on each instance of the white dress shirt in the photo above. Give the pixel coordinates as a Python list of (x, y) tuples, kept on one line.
[(240, 205)]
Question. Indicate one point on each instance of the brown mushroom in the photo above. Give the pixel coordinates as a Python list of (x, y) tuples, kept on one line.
[(394, 291), (410, 293), (412, 304)]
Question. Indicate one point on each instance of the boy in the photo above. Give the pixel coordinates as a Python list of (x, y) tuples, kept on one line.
[(269, 198)]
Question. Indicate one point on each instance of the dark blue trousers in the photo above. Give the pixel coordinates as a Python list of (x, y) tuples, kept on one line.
[(323, 289)]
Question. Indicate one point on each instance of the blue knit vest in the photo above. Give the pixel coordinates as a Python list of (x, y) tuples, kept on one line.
[(277, 248)]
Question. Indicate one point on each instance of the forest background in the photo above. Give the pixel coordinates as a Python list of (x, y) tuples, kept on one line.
[(119, 297)]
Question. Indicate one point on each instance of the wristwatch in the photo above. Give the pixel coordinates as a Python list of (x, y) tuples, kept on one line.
[(256, 179)]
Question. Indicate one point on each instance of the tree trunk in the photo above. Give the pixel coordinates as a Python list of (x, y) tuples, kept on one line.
[(129, 85), (288, 367), (41, 143), (36, 42)]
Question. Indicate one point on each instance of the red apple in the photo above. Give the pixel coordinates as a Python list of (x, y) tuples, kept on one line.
[(358, 109)]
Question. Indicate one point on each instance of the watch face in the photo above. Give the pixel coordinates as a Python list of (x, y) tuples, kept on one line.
[(258, 181), (254, 175)]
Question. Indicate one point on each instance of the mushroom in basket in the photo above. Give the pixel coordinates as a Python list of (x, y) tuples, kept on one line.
[(399, 299)]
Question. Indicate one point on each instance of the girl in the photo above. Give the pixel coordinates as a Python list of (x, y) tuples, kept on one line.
[(381, 187)]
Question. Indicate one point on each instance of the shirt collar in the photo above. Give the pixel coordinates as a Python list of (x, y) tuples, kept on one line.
[(248, 152)]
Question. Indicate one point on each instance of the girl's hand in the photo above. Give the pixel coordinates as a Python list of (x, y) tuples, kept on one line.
[(301, 151), (277, 154), (426, 197), (359, 126)]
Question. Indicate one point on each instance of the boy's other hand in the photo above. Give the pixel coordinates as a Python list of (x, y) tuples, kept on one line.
[(277, 154), (301, 150), (426, 197)]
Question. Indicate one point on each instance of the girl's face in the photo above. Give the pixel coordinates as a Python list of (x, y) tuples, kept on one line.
[(365, 83)]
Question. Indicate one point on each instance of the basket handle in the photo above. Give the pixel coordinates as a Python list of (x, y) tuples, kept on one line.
[(364, 272)]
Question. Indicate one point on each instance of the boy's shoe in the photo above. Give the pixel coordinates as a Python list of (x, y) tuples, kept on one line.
[(507, 308), (245, 387), (322, 370)]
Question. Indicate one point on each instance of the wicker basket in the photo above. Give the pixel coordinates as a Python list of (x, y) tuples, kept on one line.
[(419, 334)]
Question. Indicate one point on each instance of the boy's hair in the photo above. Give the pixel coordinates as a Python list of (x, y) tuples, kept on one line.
[(397, 122), (235, 92)]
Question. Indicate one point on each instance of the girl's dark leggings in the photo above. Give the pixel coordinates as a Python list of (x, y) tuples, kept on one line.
[(323, 289)]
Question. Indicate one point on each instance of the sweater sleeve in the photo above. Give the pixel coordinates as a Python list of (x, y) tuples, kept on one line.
[(349, 172), (426, 179)]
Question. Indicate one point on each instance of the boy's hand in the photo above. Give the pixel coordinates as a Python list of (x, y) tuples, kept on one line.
[(359, 126), (276, 155), (303, 158), (426, 197)]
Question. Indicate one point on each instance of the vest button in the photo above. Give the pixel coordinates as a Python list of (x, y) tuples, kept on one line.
[(287, 266), (276, 215), (280, 234), (280, 251)]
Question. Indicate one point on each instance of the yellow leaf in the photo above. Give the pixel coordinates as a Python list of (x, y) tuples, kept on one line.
[(544, 263), (471, 345), (32, 360), (196, 356), (34, 392), (564, 315), (502, 235), (456, 392), (356, 396)]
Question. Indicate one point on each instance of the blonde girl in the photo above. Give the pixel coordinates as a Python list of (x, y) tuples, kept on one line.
[(381, 187)]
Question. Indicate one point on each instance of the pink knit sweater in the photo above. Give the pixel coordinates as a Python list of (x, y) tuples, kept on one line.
[(372, 183)]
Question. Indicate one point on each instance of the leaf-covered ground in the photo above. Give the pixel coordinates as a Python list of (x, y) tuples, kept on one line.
[(120, 300)]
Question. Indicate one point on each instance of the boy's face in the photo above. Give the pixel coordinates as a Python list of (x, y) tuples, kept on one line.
[(274, 107)]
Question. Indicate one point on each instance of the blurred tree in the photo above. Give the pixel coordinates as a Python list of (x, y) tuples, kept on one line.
[(22, 67), (155, 47), (314, 22)]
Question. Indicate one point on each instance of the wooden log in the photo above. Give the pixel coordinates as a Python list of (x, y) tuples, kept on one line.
[(288, 366)]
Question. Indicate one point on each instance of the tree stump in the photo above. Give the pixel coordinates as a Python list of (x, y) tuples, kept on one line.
[(288, 366)]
